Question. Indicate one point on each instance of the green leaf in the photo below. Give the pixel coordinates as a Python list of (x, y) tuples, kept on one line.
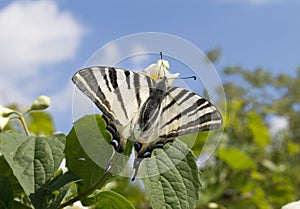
[(19, 205), (88, 151), (177, 185), (77, 161), (6, 170), (293, 147), (6, 193), (50, 195), (260, 200), (33, 159), (236, 159), (110, 200), (259, 130), (40, 123)]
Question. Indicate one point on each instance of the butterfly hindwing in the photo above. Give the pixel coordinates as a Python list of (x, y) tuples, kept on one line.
[(180, 112), (186, 112)]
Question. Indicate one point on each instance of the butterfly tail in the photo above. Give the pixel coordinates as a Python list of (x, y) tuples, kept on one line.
[(109, 163), (136, 166)]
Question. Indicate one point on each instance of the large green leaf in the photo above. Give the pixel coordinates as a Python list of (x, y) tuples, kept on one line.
[(236, 159), (110, 200), (173, 180), (33, 159), (88, 152), (50, 195), (77, 160), (6, 193)]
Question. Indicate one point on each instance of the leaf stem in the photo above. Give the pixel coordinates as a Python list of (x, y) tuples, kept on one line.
[(27, 111), (86, 193), (21, 117)]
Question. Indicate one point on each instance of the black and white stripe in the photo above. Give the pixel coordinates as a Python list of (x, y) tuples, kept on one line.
[(186, 112), (123, 97)]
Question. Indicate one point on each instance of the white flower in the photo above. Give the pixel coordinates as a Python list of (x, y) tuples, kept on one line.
[(292, 205), (4, 113), (76, 205), (160, 70), (213, 205), (3, 122), (163, 63), (41, 103)]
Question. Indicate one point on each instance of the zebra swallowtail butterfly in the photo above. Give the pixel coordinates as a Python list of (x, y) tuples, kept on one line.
[(145, 101)]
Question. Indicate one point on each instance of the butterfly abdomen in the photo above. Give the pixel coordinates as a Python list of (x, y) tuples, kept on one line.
[(151, 111)]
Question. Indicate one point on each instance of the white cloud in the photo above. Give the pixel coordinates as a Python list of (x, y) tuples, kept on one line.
[(277, 124), (33, 35), (36, 33)]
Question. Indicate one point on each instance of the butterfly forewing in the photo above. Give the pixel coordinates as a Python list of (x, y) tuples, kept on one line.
[(118, 93), (114, 91)]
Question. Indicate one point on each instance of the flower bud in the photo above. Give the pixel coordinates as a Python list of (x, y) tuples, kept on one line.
[(4, 111), (41, 103)]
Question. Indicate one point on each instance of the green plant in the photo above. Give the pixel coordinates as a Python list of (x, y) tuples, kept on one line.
[(30, 167)]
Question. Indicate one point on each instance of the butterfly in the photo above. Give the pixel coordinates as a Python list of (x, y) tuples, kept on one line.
[(145, 103)]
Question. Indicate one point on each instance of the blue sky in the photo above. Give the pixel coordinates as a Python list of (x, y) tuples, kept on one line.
[(43, 43)]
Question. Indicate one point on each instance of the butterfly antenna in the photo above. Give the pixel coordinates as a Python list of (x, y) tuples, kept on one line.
[(108, 166), (193, 77), (189, 77)]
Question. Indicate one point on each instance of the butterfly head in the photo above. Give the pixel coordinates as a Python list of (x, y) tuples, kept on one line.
[(160, 70)]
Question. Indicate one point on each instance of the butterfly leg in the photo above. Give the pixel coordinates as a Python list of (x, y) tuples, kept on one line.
[(145, 154), (141, 156)]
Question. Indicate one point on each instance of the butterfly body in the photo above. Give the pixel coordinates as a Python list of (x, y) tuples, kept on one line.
[(152, 112), (149, 118)]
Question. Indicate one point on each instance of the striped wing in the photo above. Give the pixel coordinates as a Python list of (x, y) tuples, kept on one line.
[(185, 112), (119, 94), (181, 112)]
